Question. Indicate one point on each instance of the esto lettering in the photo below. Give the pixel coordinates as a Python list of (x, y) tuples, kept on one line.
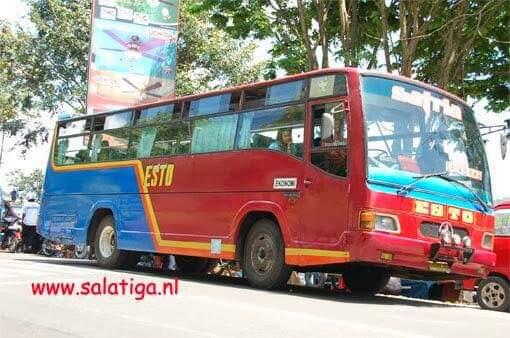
[(438, 210), (158, 175)]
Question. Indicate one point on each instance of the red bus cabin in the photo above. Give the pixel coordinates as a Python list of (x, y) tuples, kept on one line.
[(360, 173)]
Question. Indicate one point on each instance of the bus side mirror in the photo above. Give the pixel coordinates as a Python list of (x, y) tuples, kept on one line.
[(504, 138)]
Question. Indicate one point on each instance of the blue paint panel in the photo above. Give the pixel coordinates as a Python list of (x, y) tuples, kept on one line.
[(71, 198), (437, 189)]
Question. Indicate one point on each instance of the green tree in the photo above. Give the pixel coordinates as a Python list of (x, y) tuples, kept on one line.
[(209, 58), (460, 45), (43, 67), (300, 29), (31, 182)]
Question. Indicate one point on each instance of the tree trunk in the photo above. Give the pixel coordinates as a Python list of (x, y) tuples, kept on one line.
[(310, 52), (345, 32), (384, 17), (322, 19)]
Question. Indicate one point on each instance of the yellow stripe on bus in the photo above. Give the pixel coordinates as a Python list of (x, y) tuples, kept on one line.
[(316, 252)]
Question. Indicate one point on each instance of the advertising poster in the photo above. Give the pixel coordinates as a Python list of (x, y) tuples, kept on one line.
[(132, 53)]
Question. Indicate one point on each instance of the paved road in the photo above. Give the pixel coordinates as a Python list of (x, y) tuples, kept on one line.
[(216, 307)]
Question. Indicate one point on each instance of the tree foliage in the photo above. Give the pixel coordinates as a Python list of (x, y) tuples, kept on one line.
[(31, 182), (460, 45), (209, 58), (43, 66)]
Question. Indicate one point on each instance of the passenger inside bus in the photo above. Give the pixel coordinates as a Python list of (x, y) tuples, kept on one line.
[(104, 152), (283, 142)]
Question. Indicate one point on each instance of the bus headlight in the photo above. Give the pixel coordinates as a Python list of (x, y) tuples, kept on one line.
[(386, 223), (466, 241), (374, 221), (488, 241)]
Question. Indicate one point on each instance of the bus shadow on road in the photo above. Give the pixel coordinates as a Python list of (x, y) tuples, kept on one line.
[(234, 282)]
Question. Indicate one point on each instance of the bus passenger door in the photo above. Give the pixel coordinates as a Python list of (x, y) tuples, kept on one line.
[(325, 187)]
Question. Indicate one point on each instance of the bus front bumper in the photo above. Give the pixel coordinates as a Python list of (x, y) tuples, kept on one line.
[(403, 252)]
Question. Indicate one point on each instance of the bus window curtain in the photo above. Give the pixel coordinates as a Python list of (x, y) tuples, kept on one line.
[(146, 142), (245, 131), (96, 146), (63, 145), (214, 134)]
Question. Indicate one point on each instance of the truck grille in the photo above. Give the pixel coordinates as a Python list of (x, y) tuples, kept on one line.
[(432, 230)]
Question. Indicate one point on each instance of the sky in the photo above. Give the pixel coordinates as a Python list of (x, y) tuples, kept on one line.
[(36, 157)]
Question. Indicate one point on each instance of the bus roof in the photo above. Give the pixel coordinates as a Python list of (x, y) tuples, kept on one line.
[(287, 78)]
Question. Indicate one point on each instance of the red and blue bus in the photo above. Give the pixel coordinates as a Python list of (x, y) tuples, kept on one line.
[(339, 170)]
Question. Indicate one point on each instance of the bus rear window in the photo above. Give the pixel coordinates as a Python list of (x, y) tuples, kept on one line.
[(74, 127), (72, 150), (114, 121)]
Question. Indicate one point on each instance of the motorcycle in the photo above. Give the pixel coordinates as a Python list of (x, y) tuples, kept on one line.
[(10, 234), (53, 249)]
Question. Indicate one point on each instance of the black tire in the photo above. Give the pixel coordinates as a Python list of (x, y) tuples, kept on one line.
[(493, 293), (194, 265), (108, 256), (131, 260), (365, 280), (263, 260), (13, 245), (46, 249), (81, 252)]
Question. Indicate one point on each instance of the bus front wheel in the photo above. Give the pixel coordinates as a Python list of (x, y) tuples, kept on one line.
[(365, 280), (264, 256), (105, 246)]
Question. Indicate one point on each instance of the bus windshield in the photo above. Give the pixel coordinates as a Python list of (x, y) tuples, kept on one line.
[(412, 131)]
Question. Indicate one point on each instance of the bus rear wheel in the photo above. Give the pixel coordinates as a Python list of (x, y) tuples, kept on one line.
[(365, 280), (264, 256), (195, 265), (105, 245)]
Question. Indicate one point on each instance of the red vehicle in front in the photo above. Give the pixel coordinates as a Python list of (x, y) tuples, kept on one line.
[(494, 292)]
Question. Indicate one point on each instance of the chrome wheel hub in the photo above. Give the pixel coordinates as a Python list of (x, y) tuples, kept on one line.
[(107, 241), (493, 295)]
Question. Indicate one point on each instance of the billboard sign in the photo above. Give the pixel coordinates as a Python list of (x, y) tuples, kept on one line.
[(132, 53)]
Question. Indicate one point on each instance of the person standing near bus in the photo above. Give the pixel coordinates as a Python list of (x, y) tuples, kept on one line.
[(29, 216)]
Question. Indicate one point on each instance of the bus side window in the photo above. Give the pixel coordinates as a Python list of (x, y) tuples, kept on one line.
[(329, 138), (167, 139), (278, 129), (214, 134), (72, 150), (110, 145)]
